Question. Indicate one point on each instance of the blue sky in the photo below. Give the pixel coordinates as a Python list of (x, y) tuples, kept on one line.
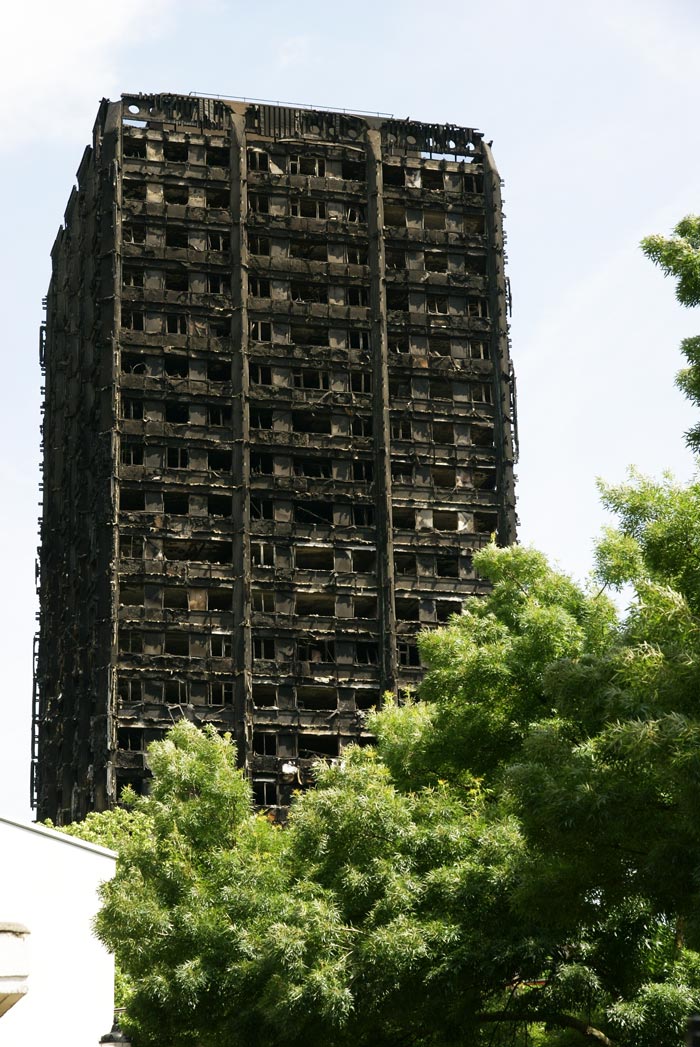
[(592, 109)]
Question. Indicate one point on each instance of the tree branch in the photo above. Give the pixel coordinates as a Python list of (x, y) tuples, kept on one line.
[(564, 1021)]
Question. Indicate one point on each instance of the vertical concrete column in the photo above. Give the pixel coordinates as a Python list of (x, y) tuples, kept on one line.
[(107, 175), (380, 410), (503, 377), (242, 645)]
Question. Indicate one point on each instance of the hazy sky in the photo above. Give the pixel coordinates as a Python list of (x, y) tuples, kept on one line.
[(593, 111)]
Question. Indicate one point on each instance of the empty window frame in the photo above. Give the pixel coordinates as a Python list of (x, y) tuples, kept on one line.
[(355, 213), (365, 607), (394, 215), (311, 745), (177, 458), (313, 467), (482, 436), (176, 692), (258, 203), (218, 371), (434, 219), (315, 514), (443, 476), (131, 500), (261, 418), (263, 649), (176, 194), (400, 429), (363, 470), (220, 692), (176, 323), (444, 609), (221, 645), (176, 502), (405, 564), (435, 262), (262, 509), (361, 381), (311, 422), (315, 604), (396, 298), (401, 472), (264, 743), (262, 554), (219, 599), (305, 207), (265, 792), (259, 245), (134, 232), (258, 160), (131, 454), (443, 433), (263, 601), (176, 366), (353, 170), (316, 697), (130, 547), (132, 409), (485, 523), (218, 283), (175, 152), (308, 291), (264, 695), (431, 179), (259, 374), (220, 197), (129, 690), (404, 518), (315, 166), (176, 236), (407, 609), (303, 334), (177, 644), (362, 425), (134, 148), (130, 641), (395, 258), (393, 174), (218, 241), (260, 330), (132, 276), (357, 295), (445, 520), (484, 479), (482, 393), (175, 598), (133, 190), (440, 389), (261, 464), (258, 287), (311, 649), (217, 156), (133, 363), (219, 461), (132, 319), (408, 654), (219, 415), (177, 412), (358, 340), (438, 304), (362, 515), (357, 254), (313, 558), (447, 564), (308, 250), (364, 561), (308, 379)]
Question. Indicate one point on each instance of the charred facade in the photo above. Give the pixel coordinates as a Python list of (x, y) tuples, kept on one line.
[(279, 420)]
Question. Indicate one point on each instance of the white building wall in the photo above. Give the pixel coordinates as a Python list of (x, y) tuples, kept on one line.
[(48, 882)]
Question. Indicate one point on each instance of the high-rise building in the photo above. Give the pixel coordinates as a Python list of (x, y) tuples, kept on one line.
[(279, 418)]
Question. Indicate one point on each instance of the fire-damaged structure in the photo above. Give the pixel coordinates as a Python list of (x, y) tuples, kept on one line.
[(279, 419)]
